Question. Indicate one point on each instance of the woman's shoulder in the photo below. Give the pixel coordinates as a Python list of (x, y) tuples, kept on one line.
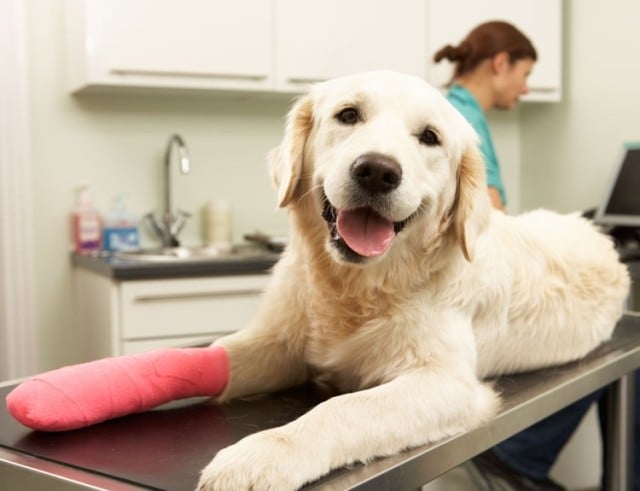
[(466, 104), (461, 98)]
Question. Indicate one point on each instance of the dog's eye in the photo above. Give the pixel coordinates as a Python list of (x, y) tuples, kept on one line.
[(429, 137), (349, 115)]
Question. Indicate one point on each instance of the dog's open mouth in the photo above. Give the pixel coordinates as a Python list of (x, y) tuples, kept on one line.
[(361, 232)]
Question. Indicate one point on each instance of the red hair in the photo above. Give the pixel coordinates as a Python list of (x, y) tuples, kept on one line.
[(486, 41)]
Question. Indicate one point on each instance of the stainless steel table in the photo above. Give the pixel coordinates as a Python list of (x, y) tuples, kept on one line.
[(165, 448)]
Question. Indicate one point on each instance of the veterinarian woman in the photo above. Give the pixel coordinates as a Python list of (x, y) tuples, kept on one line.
[(491, 66)]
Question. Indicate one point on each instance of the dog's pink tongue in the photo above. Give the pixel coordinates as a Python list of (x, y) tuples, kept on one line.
[(364, 231)]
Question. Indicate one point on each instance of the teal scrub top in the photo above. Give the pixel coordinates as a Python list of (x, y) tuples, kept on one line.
[(467, 105)]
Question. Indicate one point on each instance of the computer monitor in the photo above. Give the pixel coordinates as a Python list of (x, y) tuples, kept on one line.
[(621, 204)]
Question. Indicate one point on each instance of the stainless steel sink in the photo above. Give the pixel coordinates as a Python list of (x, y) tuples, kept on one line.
[(190, 254)]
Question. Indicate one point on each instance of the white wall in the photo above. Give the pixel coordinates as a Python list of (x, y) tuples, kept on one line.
[(116, 143), (569, 149), (505, 131)]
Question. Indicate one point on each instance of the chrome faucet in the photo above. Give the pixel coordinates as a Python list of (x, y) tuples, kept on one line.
[(169, 225)]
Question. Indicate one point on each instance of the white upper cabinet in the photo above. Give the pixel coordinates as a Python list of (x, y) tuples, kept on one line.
[(450, 20), (169, 43), (283, 45), (320, 40)]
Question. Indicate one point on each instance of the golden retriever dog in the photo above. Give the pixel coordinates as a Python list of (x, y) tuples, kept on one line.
[(401, 287)]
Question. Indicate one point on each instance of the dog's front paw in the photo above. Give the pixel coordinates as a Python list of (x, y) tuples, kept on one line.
[(269, 460)]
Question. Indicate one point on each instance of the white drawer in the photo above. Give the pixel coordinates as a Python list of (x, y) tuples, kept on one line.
[(188, 307)]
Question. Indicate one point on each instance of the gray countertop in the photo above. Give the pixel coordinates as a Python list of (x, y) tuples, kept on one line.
[(259, 262), (108, 265)]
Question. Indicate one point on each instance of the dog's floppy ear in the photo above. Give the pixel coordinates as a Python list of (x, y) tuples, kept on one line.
[(286, 159), (472, 207)]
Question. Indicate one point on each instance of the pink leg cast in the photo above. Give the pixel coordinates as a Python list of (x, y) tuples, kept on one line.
[(81, 395)]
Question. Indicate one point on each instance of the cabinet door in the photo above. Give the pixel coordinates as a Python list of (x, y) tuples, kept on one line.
[(320, 40), (179, 308), (450, 20), (172, 43)]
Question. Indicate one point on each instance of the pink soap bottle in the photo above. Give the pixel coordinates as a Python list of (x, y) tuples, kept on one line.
[(86, 226)]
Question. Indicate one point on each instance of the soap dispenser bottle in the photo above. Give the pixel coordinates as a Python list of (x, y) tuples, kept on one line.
[(120, 231), (86, 227)]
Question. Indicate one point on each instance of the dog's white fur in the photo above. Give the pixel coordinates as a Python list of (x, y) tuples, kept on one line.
[(462, 293)]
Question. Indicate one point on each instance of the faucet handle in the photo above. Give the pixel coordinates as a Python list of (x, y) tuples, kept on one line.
[(179, 222), (155, 225), (169, 239)]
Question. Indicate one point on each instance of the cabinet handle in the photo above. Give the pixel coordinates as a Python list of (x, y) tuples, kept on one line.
[(175, 73), (305, 80), (187, 296)]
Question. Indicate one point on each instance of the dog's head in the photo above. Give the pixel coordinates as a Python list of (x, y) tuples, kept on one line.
[(379, 156)]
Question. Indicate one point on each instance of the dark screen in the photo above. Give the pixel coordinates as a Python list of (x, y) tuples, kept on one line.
[(625, 196)]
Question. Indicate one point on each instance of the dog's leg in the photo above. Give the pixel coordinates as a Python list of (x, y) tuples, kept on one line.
[(260, 361), (268, 354), (417, 407)]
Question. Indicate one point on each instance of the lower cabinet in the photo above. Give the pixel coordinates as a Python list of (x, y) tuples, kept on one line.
[(124, 317)]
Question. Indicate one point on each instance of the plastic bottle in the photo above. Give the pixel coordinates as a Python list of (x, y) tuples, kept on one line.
[(217, 224), (85, 223), (120, 231)]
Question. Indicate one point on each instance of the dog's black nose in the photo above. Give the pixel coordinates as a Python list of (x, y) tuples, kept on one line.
[(376, 173)]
